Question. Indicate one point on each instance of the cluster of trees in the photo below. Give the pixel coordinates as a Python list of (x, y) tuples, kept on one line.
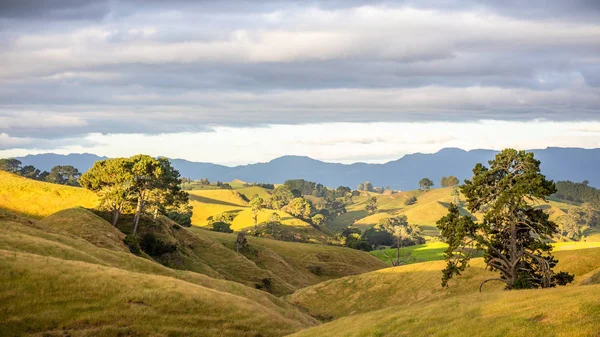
[(572, 223), (514, 235), (449, 181), (395, 232), (368, 187), (139, 184), (64, 175), (300, 187), (577, 192)]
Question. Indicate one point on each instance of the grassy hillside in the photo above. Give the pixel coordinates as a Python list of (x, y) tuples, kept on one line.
[(208, 203), (300, 264), (40, 199), (416, 284), (48, 295), (566, 311), (428, 209)]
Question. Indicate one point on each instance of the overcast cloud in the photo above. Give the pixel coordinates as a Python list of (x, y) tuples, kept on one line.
[(72, 68)]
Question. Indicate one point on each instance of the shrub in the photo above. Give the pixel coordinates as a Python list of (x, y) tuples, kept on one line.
[(222, 227), (153, 246), (317, 270), (132, 243), (411, 201)]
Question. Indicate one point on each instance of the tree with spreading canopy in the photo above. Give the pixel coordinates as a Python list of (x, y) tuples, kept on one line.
[(111, 179), (513, 234), (64, 175), (425, 184), (11, 165), (300, 208), (371, 205), (256, 204)]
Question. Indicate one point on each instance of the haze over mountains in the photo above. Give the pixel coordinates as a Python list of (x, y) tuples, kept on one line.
[(573, 164)]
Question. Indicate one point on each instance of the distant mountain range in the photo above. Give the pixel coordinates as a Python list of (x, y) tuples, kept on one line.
[(404, 174)]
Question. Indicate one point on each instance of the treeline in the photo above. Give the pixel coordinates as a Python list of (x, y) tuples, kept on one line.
[(64, 175), (577, 192)]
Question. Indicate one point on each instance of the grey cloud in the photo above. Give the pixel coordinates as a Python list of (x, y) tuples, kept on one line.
[(136, 67)]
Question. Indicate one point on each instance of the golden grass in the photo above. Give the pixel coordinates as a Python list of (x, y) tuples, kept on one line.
[(42, 294), (414, 284), (297, 263), (84, 224), (40, 199), (209, 203), (565, 311)]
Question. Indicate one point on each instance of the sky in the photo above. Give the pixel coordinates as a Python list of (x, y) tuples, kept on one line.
[(239, 81)]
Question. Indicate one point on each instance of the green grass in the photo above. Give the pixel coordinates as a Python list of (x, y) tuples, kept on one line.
[(39, 199), (434, 251), (420, 253)]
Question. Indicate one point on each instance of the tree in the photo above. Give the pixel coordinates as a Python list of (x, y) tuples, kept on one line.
[(318, 219), (571, 222), (64, 175), (456, 196), (371, 206), (411, 201), (403, 234), (449, 181), (368, 186), (425, 184), (513, 233), (111, 179), (10, 165), (360, 187), (241, 242), (256, 204), (221, 222), (280, 198), (30, 172), (299, 208), (149, 174)]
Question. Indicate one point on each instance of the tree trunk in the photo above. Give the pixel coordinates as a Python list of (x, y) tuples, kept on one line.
[(138, 212), (116, 213)]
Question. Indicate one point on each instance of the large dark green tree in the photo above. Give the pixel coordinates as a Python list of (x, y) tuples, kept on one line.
[(64, 175), (513, 234), (10, 165), (425, 184), (111, 179)]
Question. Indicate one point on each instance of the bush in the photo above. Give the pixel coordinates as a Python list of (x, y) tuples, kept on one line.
[(222, 227), (411, 201), (153, 246), (132, 243), (317, 270), (265, 284)]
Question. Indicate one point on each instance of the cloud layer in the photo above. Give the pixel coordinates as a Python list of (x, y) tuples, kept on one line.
[(71, 68)]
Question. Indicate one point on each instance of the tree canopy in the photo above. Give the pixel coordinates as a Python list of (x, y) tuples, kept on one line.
[(513, 234), (425, 184)]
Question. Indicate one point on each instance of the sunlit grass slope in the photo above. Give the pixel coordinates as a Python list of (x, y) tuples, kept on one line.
[(566, 311), (428, 209), (300, 264), (86, 225), (208, 203), (40, 199), (42, 294), (36, 256), (415, 284)]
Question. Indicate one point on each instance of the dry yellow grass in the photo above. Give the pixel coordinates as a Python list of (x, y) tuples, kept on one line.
[(564, 312), (416, 283), (42, 294), (40, 199)]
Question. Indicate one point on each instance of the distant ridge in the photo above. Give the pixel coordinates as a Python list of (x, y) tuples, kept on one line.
[(573, 164)]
